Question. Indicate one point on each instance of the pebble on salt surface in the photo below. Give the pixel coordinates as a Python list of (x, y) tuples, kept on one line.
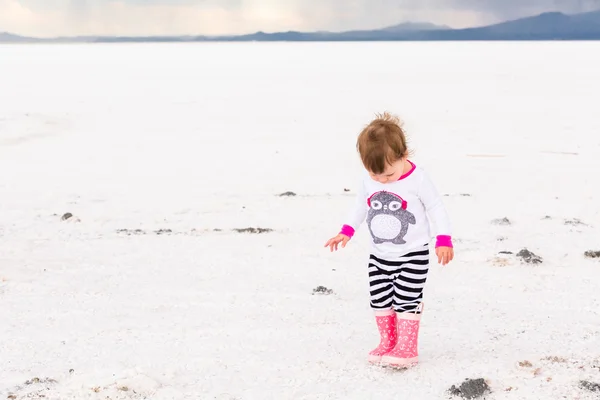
[(322, 290), (592, 254), (591, 386), (66, 216), (575, 222), (253, 230), (529, 257), (470, 389), (501, 221)]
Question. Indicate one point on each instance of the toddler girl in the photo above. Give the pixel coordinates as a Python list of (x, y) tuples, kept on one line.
[(398, 200)]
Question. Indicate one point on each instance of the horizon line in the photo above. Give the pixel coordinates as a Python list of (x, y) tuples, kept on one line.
[(442, 27)]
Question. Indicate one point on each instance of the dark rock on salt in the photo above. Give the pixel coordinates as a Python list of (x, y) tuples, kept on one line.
[(66, 216), (505, 252), (322, 290), (591, 386), (470, 389), (38, 380), (163, 231), (574, 222), (253, 230), (346, 190), (526, 364), (31, 381), (592, 254), (529, 257), (465, 195), (501, 221), (130, 232), (287, 194)]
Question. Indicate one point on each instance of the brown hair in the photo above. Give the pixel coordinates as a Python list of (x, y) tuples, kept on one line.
[(382, 142)]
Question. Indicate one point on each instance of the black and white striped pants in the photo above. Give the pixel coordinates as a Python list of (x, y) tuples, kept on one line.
[(398, 283)]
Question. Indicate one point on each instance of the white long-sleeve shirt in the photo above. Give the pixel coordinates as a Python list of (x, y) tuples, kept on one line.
[(400, 215)]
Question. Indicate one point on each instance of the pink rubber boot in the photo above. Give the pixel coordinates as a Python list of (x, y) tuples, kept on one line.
[(406, 352), (386, 324)]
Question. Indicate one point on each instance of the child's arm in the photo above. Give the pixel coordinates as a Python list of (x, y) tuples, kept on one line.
[(437, 212)]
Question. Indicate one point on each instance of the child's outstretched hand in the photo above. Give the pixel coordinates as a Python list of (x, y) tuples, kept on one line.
[(444, 254), (335, 241)]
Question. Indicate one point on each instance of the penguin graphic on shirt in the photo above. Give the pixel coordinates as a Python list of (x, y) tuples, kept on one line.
[(387, 218)]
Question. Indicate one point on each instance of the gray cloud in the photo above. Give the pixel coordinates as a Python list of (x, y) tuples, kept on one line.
[(520, 8), (141, 17)]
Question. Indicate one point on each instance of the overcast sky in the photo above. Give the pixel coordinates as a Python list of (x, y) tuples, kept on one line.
[(166, 17)]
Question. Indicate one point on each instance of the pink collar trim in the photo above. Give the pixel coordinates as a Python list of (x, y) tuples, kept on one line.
[(406, 175)]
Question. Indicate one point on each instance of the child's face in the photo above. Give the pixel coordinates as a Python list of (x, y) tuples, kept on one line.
[(392, 172)]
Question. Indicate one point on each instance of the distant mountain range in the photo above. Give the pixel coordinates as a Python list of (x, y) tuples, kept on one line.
[(546, 26)]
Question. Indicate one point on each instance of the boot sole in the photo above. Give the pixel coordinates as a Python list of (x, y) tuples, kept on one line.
[(374, 359), (399, 362)]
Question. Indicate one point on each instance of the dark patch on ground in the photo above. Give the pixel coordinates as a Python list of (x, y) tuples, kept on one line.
[(34, 388), (66, 216), (555, 359), (574, 222), (505, 252), (166, 231), (287, 194), (592, 254), (470, 389), (525, 364), (38, 380), (591, 386), (529, 257), (322, 290), (253, 230), (501, 221), (130, 232)]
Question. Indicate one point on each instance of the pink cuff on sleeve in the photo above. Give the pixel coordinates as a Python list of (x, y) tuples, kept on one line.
[(443, 241), (347, 230)]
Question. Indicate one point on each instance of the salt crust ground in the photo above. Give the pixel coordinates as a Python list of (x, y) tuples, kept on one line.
[(197, 138)]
